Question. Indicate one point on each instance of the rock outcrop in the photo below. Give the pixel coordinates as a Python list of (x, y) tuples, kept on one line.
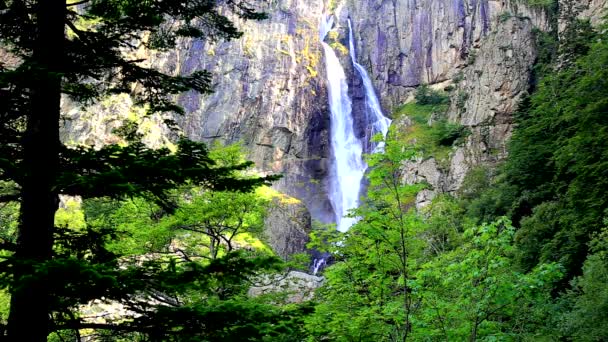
[(287, 226), (295, 286), (490, 89), (409, 42)]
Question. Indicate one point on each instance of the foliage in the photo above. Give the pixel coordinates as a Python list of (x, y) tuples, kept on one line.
[(547, 45), (587, 302), (557, 162), (429, 129), (539, 3), (9, 213), (474, 292), (461, 99), (427, 96), (575, 40), (60, 260), (197, 241), (485, 195), (443, 223), (447, 133)]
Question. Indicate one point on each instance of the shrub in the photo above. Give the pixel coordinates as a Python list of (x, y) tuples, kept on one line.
[(427, 96), (458, 77), (446, 134), (461, 99)]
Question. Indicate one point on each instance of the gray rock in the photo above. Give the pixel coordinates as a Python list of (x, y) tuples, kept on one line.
[(269, 94), (424, 198), (295, 286), (422, 170), (409, 42), (287, 226)]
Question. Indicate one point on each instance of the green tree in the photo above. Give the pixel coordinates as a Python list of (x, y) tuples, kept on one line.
[(474, 291), (204, 224), (586, 315), (53, 54), (369, 293), (556, 167), (168, 267)]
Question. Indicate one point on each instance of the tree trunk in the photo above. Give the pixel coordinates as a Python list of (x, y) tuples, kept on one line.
[(29, 312), (473, 336)]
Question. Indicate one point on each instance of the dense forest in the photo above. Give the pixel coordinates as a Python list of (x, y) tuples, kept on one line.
[(171, 238)]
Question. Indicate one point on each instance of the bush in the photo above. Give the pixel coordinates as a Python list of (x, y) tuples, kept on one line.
[(461, 99), (446, 133), (427, 96), (458, 77)]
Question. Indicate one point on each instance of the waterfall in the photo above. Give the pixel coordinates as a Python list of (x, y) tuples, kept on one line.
[(379, 123), (349, 167), (318, 265)]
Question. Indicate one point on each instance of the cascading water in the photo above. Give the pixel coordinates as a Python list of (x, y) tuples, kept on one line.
[(378, 122), (349, 167)]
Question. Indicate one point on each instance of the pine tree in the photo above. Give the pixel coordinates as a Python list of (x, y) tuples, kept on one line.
[(47, 54)]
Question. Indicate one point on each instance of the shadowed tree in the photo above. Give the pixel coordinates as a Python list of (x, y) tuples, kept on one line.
[(80, 49)]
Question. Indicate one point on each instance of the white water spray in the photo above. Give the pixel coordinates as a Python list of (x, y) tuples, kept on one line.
[(349, 167), (379, 123), (318, 265)]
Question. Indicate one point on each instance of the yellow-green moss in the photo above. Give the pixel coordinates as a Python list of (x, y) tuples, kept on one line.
[(248, 240), (310, 59), (269, 194)]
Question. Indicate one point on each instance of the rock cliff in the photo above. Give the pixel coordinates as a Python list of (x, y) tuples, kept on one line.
[(287, 226), (269, 94), (484, 50), (408, 42)]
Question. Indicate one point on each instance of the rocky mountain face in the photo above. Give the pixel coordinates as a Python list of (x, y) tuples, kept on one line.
[(270, 89), (489, 80), (482, 49), (409, 42), (269, 94)]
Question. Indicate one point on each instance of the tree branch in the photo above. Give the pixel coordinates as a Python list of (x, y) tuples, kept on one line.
[(10, 198)]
